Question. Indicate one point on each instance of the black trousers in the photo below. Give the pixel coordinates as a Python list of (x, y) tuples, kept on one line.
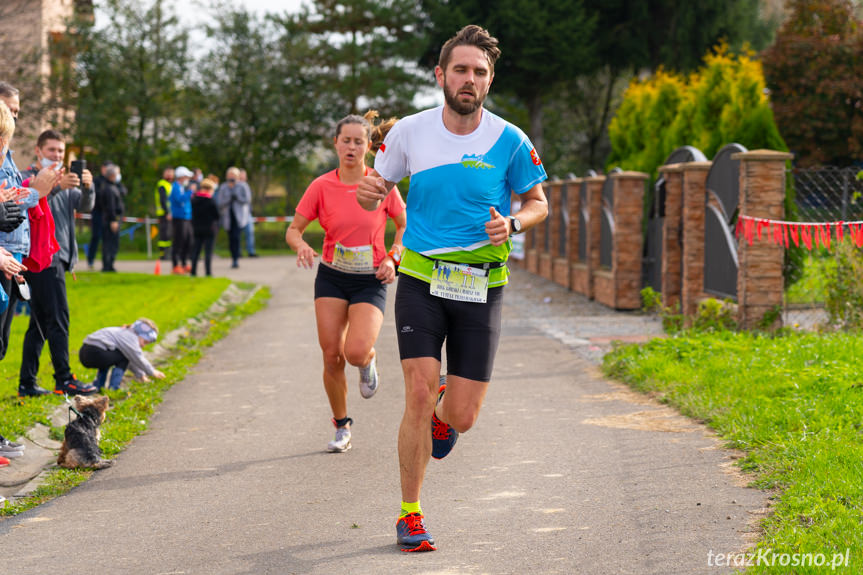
[(95, 235), (181, 241), (49, 320), (6, 316), (110, 247), (207, 243), (234, 237)]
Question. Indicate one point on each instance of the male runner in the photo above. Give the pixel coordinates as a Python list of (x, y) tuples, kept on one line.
[(464, 162)]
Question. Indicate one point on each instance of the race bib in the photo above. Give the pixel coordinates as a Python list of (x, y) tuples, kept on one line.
[(459, 282), (358, 259)]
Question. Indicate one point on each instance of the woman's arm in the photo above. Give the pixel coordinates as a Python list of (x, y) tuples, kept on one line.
[(294, 237)]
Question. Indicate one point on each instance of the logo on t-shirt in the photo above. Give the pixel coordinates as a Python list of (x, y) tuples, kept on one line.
[(535, 157), (475, 161), (383, 148)]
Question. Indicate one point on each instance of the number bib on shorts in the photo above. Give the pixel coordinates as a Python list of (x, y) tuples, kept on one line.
[(359, 259), (459, 282)]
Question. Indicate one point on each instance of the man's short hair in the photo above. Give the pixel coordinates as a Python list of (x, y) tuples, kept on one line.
[(49, 135), (471, 35), (7, 90)]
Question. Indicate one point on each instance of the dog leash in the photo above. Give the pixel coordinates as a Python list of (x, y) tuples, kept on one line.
[(71, 409)]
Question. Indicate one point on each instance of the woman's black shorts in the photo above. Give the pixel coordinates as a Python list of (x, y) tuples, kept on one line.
[(355, 288), (471, 330)]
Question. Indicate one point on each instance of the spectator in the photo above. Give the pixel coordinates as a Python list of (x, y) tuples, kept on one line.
[(17, 242), (181, 220), (249, 230), (163, 212), (112, 214), (120, 348), (49, 318), (233, 197), (96, 217), (205, 225)]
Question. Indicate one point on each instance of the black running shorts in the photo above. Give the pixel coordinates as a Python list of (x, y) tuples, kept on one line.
[(355, 288), (471, 330)]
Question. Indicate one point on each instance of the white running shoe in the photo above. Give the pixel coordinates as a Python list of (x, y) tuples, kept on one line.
[(342, 442), (369, 379)]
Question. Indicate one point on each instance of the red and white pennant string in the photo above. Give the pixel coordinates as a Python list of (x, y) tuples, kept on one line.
[(810, 234)]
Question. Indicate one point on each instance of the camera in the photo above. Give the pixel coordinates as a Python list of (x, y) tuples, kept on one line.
[(77, 167)]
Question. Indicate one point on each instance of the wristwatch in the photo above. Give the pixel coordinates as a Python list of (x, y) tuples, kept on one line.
[(514, 224), (395, 254)]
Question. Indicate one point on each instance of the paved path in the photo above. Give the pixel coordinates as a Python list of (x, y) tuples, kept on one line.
[(564, 472)]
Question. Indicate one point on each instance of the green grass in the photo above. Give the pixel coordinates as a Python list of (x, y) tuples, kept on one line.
[(99, 300), (793, 404)]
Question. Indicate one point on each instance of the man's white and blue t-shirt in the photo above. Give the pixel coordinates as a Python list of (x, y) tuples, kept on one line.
[(454, 180)]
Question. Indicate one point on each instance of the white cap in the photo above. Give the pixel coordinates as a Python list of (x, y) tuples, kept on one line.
[(183, 172)]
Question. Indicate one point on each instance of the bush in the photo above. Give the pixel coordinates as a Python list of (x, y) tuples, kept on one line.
[(724, 101), (844, 300)]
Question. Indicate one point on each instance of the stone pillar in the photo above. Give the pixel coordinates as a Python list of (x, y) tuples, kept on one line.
[(760, 282), (531, 258), (694, 180), (545, 249), (620, 287), (581, 273), (560, 233), (671, 265)]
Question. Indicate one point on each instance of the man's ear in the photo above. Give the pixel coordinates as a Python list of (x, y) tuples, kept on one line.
[(438, 74)]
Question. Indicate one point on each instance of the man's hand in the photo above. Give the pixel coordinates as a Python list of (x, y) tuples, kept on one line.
[(46, 179), (371, 191), (115, 226), (497, 228), (69, 180), (87, 179), (158, 374)]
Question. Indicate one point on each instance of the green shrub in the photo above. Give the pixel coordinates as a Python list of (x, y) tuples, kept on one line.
[(844, 299)]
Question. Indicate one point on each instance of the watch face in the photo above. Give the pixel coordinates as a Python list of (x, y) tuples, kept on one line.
[(516, 224)]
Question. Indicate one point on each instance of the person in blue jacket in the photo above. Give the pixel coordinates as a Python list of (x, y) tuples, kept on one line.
[(181, 218)]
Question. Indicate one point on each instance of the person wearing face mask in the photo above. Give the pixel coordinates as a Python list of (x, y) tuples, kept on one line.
[(49, 318), (233, 197), (17, 241), (181, 220), (113, 193)]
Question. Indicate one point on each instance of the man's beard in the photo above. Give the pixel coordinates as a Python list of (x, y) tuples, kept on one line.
[(462, 108)]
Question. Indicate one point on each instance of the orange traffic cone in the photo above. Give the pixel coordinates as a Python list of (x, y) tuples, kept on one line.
[(158, 270)]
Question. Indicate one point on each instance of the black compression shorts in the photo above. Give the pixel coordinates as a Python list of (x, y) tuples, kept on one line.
[(355, 288), (471, 330)]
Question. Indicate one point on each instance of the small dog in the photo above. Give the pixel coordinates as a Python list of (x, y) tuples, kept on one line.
[(81, 444)]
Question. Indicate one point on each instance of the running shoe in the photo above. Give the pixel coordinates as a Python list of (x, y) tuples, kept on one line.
[(74, 387), (10, 449), (369, 379), (411, 534), (342, 441), (443, 435)]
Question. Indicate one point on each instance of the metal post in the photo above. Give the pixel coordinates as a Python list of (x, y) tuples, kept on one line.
[(845, 184), (149, 235)]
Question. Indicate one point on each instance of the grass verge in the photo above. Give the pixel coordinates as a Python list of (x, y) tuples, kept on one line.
[(131, 407), (794, 405)]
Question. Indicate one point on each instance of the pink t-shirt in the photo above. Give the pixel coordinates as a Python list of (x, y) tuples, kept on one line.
[(346, 222)]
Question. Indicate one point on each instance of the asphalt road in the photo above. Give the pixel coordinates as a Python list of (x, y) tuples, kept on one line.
[(564, 472)]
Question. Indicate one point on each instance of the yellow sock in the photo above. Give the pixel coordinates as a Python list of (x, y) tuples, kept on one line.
[(408, 508)]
